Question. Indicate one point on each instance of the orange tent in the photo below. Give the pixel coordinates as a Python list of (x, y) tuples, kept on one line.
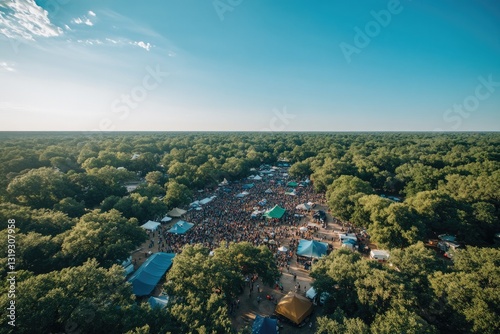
[(294, 307)]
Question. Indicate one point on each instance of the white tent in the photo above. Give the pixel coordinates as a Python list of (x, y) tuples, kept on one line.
[(282, 249), (195, 203), (206, 200), (303, 229), (256, 213), (166, 219), (243, 194), (268, 191), (151, 225), (311, 293), (257, 178), (303, 206), (378, 254)]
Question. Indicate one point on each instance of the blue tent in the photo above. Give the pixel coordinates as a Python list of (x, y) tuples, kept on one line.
[(248, 186), (181, 227), (144, 280), (263, 325), (312, 248)]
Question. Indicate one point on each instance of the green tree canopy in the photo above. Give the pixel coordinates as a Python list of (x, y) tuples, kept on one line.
[(105, 236)]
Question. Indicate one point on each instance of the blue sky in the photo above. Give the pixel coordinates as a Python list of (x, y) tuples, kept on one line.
[(259, 65)]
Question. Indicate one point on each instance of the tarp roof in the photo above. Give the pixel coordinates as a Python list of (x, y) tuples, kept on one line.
[(248, 186), (159, 302), (264, 325), (176, 212), (151, 225), (144, 280), (276, 212), (379, 253), (166, 219), (292, 184), (206, 200), (180, 227), (312, 248), (303, 206), (294, 307)]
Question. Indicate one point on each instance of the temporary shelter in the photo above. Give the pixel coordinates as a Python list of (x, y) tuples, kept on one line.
[(268, 191), (248, 186), (378, 254), (349, 243), (275, 212), (303, 206), (292, 184), (180, 227), (144, 280), (283, 249), (294, 307), (312, 248), (176, 212), (158, 302), (166, 219), (206, 200), (129, 269), (151, 225), (264, 325)]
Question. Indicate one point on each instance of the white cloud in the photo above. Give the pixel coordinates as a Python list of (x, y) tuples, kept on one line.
[(84, 20), (25, 19), (6, 67), (91, 13), (141, 44)]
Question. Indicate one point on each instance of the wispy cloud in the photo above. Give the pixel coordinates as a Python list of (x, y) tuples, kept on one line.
[(114, 42), (84, 19), (24, 19), (141, 44), (6, 67)]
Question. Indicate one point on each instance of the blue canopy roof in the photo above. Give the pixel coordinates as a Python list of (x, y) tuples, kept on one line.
[(263, 325), (312, 248), (248, 186), (181, 227), (349, 241), (150, 272)]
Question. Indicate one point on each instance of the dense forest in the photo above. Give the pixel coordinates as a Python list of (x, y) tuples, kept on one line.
[(76, 220)]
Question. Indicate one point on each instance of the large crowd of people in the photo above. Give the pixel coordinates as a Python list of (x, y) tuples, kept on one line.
[(229, 218)]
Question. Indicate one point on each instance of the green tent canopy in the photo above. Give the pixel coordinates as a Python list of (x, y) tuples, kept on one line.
[(276, 212), (292, 184)]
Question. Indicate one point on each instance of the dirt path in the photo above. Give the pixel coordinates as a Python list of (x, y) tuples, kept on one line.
[(249, 307)]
